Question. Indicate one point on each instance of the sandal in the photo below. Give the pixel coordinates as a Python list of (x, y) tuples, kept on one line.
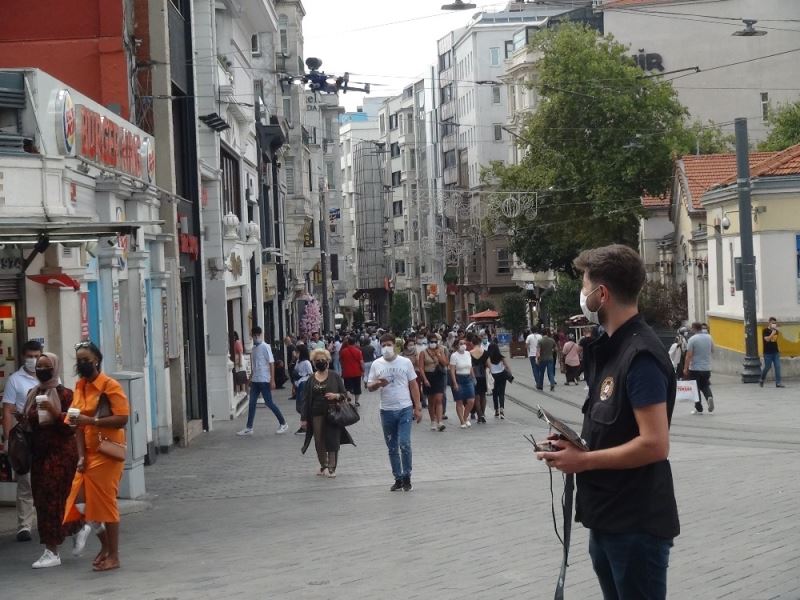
[(106, 565), (101, 557)]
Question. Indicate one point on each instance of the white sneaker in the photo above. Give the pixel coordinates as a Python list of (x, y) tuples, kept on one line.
[(464, 425), (469, 424), (79, 540), (434, 427), (283, 428), (245, 431), (48, 559), (696, 412)]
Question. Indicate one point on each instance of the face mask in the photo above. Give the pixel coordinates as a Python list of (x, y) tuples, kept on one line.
[(591, 315), (44, 374), (30, 365), (433, 345), (321, 365), (85, 369), (387, 352), (462, 348)]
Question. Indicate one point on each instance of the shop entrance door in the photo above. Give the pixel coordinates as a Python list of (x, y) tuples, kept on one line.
[(193, 410)]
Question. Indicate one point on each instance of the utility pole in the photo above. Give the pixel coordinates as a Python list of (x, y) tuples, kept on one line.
[(751, 367), (323, 255)]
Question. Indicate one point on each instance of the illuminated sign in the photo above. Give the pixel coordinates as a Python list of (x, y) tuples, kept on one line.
[(83, 132)]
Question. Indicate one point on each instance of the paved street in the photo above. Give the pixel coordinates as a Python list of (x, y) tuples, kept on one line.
[(246, 518)]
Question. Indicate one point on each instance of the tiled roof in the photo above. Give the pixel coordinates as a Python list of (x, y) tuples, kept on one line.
[(662, 201), (704, 171), (786, 162)]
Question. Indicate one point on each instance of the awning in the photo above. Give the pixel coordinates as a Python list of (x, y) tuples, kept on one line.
[(485, 315), (41, 234), (56, 280)]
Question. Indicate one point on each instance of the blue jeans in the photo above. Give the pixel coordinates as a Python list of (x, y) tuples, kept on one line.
[(298, 397), (550, 367), (397, 433), (262, 388), (770, 360), (630, 566)]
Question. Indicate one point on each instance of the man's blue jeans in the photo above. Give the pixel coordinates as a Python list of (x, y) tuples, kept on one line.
[(262, 388), (770, 360), (397, 433), (630, 566)]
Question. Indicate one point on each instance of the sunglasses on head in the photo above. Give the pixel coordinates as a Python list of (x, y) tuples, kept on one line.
[(84, 344)]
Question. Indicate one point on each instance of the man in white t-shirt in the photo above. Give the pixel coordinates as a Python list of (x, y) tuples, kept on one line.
[(14, 397), (395, 377), (262, 382), (532, 342)]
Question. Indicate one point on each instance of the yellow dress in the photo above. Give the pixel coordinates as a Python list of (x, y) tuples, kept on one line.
[(102, 474)]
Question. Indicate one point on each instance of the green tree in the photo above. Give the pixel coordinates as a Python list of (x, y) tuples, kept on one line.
[(785, 123), (483, 305), (561, 302), (663, 306), (702, 138), (435, 313), (400, 315), (512, 313), (358, 317), (602, 136)]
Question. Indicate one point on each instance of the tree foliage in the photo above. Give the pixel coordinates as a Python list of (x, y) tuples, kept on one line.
[(512, 312), (785, 123), (483, 305), (602, 136), (702, 138), (358, 318), (663, 306), (400, 315), (562, 301)]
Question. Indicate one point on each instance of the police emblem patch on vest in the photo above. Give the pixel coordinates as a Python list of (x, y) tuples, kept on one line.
[(607, 388)]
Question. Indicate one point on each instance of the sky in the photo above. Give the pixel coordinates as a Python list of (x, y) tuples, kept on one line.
[(388, 42)]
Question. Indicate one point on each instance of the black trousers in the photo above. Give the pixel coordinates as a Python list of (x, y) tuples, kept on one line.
[(703, 379)]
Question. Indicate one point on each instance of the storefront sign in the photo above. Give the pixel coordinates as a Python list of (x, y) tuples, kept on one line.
[(165, 325), (648, 61), (84, 302), (100, 139)]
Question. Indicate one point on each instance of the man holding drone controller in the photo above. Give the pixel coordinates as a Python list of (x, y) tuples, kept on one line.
[(625, 494)]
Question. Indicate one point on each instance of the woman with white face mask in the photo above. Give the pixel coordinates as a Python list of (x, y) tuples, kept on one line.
[(463, 380), (432, 364)]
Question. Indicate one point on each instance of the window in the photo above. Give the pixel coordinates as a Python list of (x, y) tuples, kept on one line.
[(409, 123), (255, 45), (310, 177), (400, 267), (764, 106), (399, 236), (494, 56), (397, 208), (290, 186), (445, 61), (329, 174), (396, 179), (503, 261), (283, 25), (287, 109), (395, 149), (447, 93), (496, 94), (509, 48), (231, 199), (334, 267), (498, 133), (382, 124), (412, 160), (392, 122), (448, 127), (450, 159)]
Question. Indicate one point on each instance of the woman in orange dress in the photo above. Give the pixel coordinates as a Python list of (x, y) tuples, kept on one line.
[(97, 477)]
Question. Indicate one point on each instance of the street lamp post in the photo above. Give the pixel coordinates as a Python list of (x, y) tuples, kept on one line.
[(751, 367)]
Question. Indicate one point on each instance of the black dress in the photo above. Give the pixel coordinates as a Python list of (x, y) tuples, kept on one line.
[(316, 405), (479, 368)]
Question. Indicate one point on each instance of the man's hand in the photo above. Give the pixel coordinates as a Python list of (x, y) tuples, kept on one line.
[(272, 385), (570, 459), (81, 467), (417, 413)]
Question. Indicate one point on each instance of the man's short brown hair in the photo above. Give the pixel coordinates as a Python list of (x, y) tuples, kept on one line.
[(618, 267), (387, 337)]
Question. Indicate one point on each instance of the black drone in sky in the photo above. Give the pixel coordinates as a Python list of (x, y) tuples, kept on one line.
[(319, 81)]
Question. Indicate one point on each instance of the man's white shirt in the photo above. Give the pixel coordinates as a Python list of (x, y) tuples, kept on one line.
[(532, 341), (399, 373), (261, 359)]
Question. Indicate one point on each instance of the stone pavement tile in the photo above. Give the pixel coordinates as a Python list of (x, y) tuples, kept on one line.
[(246, 518)]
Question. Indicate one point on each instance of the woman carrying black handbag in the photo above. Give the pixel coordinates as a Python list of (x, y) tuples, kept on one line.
[(323, 392)]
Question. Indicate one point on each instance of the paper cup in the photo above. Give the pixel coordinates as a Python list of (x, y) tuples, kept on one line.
[(73, 413)]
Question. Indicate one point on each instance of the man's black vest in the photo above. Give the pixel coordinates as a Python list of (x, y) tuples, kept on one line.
[(640, 500)]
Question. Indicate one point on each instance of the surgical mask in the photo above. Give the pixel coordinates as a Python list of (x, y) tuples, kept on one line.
[(30, 365), (44, 375), (433, 345), (387, 352), (462, 348), (321, 365), (591, 315)]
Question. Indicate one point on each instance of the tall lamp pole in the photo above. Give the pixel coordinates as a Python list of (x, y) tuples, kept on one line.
[(323, 254), (751, 367)]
